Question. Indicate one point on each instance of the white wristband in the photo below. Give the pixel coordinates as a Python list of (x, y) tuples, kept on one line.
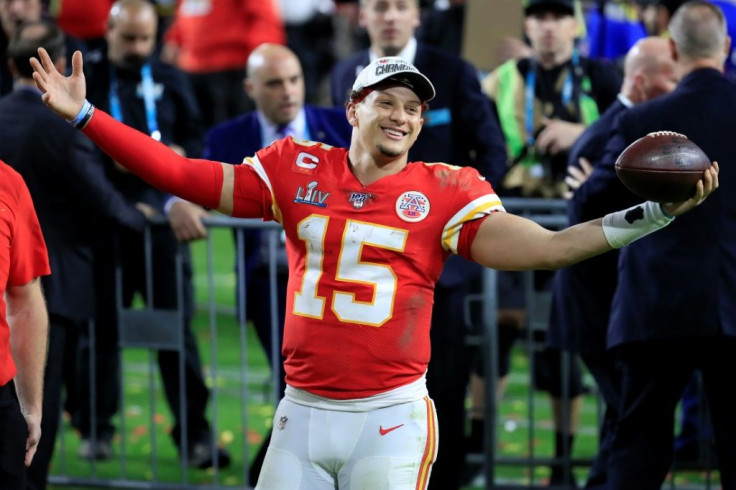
[(623, 227)]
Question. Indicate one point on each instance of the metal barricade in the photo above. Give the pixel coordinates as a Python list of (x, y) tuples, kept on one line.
[(154, 329), (550, 213)]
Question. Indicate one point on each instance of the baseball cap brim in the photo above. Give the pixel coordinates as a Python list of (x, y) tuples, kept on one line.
[(566, 7), (394, 70)]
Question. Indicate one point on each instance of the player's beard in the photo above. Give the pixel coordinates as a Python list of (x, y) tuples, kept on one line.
[(385, 151)]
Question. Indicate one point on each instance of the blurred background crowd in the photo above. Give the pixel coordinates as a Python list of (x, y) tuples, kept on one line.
[(221, 79)]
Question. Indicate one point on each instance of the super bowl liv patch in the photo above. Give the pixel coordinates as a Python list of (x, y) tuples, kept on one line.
[(311, 195)]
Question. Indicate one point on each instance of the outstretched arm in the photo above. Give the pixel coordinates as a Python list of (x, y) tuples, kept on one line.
[(509, 242), (203, 182)]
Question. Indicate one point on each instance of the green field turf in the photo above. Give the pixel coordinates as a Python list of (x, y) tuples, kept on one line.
[(228, 386)]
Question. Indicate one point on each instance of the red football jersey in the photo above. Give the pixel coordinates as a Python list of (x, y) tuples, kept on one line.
[(363, 260)]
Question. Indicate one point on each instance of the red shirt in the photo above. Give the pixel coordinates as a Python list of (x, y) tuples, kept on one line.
[(363, 261), (84, 19), (23, 254), (218, 35)]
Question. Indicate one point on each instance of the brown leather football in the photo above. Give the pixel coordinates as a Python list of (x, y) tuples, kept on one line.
[(662, 167)]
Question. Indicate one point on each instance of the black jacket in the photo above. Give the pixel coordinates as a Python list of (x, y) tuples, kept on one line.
[(71, 194), (679, 281), (177, 115), (582, 293)]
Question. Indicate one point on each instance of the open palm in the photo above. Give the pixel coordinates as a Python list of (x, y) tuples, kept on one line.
[(64, 95)]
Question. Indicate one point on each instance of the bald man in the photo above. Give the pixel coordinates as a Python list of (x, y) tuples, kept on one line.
[(274, 81), (582, 293), (686, 320)]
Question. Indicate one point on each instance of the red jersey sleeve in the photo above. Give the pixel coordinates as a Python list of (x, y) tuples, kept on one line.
[(474, 200), (28, 255), (258, 177), (251, 195)]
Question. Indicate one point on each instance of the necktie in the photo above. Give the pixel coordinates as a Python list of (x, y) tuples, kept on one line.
[(284, 131)]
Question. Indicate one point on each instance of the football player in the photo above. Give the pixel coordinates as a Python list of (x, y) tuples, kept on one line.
[(367, 234)]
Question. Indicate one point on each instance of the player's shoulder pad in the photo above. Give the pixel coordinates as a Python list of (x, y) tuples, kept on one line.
[(304, 154), (453, 173)]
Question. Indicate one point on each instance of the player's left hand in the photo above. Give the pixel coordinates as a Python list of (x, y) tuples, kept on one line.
[(185, 219), (705, 187)]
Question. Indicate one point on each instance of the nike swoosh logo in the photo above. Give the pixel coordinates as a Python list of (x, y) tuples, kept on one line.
[(383, 431)]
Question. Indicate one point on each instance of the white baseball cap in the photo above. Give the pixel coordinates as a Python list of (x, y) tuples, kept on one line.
[(394, 69)]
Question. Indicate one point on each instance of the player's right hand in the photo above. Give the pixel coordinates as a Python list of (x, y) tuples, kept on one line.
[(64, 95)]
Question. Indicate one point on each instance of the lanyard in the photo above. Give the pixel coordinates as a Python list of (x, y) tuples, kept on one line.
[(148, 100), (531, 79)]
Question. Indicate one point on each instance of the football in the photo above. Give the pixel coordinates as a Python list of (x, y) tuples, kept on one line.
[(662, 167)]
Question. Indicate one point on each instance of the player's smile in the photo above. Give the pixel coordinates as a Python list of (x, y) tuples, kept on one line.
[(394, 133)]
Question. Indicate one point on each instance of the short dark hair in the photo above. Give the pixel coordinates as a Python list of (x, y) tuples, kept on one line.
[(24, 46), (669, 5), (564, 7)]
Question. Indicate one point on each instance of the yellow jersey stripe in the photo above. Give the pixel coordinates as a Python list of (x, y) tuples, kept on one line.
[(475, 209), (430, 451)]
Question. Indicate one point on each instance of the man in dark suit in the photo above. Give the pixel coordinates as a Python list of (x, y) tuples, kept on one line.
[(72, 196), (275, 82), (128, 80), (673, 310), (460, 128), (582, 293)]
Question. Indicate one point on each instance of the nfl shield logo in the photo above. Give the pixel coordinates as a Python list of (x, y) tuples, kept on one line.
[(358, 199)]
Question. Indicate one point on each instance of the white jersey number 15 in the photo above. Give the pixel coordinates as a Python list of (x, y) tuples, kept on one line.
[(350, 269)]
